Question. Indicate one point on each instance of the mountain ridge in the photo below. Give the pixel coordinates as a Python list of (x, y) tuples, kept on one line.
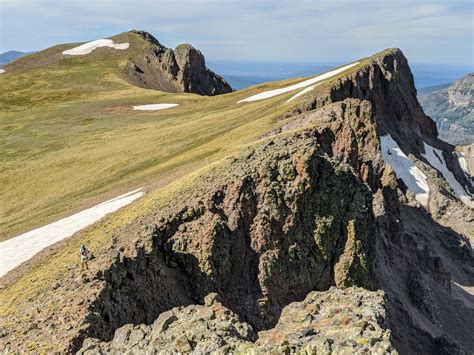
[(10, 56), (452, 108), (149, 64), (308, 205)]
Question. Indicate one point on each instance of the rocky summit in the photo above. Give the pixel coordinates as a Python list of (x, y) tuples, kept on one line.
[(311, 239), (143, 61), (179, 70)]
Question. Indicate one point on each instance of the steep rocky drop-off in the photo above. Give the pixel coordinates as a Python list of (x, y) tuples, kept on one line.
[(181, 70), (310, 207)]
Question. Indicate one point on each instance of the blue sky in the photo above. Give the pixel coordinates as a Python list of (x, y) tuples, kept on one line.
[(437, 32)]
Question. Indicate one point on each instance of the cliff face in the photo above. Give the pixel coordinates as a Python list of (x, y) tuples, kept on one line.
[(181, 70), (452, 108), (388, 84), (312, 206)]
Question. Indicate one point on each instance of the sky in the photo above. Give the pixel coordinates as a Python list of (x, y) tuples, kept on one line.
[(433, 32)]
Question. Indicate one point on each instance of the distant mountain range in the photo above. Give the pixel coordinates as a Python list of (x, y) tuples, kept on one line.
[(10, 56), (242, 74), (452, 107)]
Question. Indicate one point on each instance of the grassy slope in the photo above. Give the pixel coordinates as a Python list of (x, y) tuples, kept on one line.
[(116, 149), (69, 137)]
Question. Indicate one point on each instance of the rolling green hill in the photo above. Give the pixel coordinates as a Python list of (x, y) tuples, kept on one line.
[(70, 137)]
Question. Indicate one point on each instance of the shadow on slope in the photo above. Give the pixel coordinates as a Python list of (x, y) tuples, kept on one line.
[(419, 268)]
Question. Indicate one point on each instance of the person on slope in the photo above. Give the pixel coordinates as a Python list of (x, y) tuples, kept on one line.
[(85, 255)]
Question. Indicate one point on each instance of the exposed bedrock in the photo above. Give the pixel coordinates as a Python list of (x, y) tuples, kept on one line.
[(316, 209), (180, 70), (335, 321), (290, 221)]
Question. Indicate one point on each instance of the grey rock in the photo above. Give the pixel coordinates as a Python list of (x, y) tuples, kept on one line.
[(342, 321), (163, 321), (121, 336)]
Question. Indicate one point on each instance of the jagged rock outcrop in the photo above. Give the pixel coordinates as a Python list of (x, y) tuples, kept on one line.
[(387, 83), (285, 220), (182, 70), (335, 321)]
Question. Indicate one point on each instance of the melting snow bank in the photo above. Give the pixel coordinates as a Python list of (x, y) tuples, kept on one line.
[(405, 170), (16, 250), (153, 107), (271, 93), (436, 159), (88, 47), (302, 92), (2, 71)]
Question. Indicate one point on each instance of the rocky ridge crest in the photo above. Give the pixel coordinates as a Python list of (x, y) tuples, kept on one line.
[(180, 70), (312, 207), (341, 321)]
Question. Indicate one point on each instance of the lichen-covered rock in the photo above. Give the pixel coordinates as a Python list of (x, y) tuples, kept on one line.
[(283, 220), (342, 321), (199, 329), (334, 321)]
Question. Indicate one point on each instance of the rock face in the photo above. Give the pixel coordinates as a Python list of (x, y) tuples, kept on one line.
[(285, 221), (467, 159), (181, 70), (311, 207), (452, 108), (340, 321), (316, 209)]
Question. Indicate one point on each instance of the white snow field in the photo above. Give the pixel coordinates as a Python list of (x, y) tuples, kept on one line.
[(17, 250), (2, 71), (404, 168), (88, 47), (302, 92), (303, 84), (436, 159), (154, 107)]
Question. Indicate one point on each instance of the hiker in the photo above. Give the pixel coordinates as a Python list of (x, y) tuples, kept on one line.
[(85, 255)]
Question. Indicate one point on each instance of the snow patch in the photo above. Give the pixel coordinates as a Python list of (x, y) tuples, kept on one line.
[(17, 250), (303, 84), (436, 159), (154, 107), (2, 71), (302, 92), (405, 170), (88, 47)]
